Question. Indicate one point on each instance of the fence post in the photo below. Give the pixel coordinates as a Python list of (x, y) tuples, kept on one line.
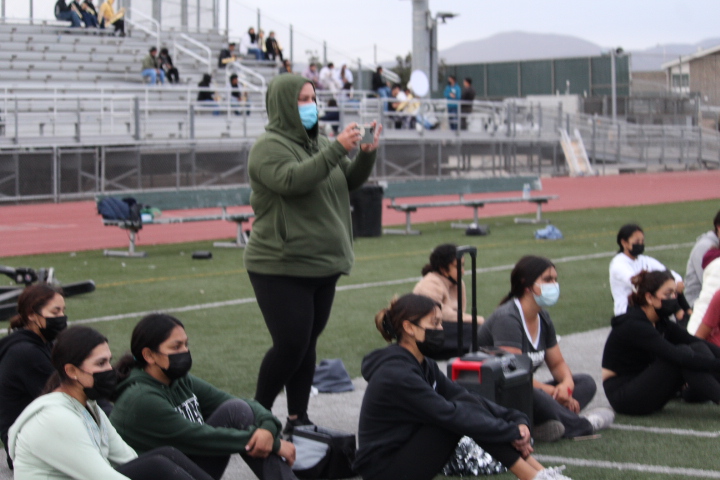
[(77, 124), (192, 122), (15, 137), (55, 171), (136, 114), (291, 44)]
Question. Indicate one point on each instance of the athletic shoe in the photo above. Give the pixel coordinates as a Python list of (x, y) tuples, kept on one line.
[(550, 431), (552, 473), (600, 418), (291, 424)]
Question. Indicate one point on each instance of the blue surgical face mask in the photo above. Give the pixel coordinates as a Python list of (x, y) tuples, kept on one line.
[(549, 294), (308, 115)]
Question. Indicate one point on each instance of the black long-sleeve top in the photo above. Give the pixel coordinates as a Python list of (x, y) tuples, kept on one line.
[(403, 395), (634, 343), (24, 369)]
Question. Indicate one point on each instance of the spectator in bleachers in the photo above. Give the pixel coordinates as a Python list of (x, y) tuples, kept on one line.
[(87, 12), (108, 16), (63, 11), (25, 353), (452, 93), (261, 44), (380, 86), (64, 434), (344, 78), (227, 55), (286, 67), (327, 78), (249, 46), (332, 116), (206, 94), (159, 402), (166, 65), (694, 273), (237, 96), (311, 73), (468, 96), (151, 69), (274, 50), (397, 105)]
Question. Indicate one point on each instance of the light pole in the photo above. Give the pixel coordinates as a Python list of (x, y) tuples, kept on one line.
[(434, 60), (613, 81)]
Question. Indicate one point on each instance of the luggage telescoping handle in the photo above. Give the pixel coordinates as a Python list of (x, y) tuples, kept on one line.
[(460, 253)]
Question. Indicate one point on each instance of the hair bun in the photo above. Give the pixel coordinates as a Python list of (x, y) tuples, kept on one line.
[(386, 325)]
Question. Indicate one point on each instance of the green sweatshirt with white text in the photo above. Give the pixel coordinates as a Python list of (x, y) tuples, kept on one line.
[(149, 414), (300, 193)]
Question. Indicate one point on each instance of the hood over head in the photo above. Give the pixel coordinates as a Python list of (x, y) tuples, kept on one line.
[(282, 107)]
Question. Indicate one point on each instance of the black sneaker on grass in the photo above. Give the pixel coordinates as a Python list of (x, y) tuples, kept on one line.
[(291, 424)]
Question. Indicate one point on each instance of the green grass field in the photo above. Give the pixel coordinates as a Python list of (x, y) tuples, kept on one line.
[(228, 341)]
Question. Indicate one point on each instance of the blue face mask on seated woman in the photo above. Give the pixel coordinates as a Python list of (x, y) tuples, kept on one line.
[(549, 294), (308, 115)]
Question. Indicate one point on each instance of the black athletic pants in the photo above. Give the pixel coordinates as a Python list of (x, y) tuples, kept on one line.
[(546, 408), (650, 390), (237, 414), (427, 452), (161, 464), (296, 310)]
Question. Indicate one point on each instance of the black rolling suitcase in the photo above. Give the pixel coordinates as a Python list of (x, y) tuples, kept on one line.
[(495, 374)]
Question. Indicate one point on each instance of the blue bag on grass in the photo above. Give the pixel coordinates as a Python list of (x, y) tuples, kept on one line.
[(551, 232)]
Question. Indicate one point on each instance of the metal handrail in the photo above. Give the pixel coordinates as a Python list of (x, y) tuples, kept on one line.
[(145, 29), (207, 60), (246, 71)]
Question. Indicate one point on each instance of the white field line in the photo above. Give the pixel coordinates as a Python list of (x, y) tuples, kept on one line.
[(638, 467), (668, 431), (357, 286)]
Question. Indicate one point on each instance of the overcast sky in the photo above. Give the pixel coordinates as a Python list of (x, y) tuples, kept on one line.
[(353, 27)]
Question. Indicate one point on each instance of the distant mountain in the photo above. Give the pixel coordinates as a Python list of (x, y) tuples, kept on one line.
[(514, 46), (652, 58)]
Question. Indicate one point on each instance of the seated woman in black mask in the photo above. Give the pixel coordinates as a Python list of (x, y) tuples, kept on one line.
[(413, 416), (65, 435), (159, 403)]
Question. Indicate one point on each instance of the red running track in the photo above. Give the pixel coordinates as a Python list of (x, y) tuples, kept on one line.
[(75, 226)]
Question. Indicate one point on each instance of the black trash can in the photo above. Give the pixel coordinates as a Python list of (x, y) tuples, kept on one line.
[(366, 203)]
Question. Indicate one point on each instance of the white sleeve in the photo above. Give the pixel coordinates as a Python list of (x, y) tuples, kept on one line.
[(120, 452), (621, 274), (63, 441), (653, 265)]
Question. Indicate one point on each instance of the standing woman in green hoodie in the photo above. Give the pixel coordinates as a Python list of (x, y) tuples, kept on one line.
[(302, 234)]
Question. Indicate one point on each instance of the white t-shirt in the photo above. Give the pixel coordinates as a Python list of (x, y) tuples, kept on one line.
[(622, 269)]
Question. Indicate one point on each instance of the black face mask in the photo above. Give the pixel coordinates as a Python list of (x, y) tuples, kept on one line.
[(53, 326), (180, 364), (433, 344), (637, 249), (103, 385), (669, 307)]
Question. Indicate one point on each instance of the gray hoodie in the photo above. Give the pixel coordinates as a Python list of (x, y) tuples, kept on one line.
[(694, 275)]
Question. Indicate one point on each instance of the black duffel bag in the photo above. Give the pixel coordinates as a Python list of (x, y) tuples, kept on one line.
[(323, 452)]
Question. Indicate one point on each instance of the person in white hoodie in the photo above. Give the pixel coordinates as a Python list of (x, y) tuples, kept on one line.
[(694, 272), (65, 435)]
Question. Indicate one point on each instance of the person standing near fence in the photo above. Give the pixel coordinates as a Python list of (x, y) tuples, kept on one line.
[(452, 93), (302, 235), (468, 96)]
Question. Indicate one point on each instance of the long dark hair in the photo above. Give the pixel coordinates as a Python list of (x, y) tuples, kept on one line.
[(150, 332), (32, 300), (647, 282), (410, 307), (625, 232), (523, 275), (73, 346), (441, 258)]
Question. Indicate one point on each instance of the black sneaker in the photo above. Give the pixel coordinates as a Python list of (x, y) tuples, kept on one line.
[(291, 424)]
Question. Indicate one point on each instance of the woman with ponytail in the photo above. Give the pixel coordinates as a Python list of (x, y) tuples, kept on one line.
[(25, 353), (439, 282), (63, 434), (412, 416), (521, 325), (648, 358), (160, 403)]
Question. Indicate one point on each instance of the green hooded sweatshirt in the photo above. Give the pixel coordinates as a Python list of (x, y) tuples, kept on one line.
[(149, 414), (300, 193)]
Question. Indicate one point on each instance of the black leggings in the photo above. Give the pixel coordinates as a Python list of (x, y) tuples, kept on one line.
[(296, 310), (650, 390), (547, 408), (163, 463), (427, 452), (237, 414)]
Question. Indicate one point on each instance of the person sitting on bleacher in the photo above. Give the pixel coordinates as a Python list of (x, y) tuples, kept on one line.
[(151, 69), (227, 55), (87, 11), (166, 65), (206, 95), (108, 16), (237, 96), (249, 46), (63, 11)]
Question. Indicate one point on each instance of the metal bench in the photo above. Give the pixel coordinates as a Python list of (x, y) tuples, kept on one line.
[(221, 198), (462, 187)]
